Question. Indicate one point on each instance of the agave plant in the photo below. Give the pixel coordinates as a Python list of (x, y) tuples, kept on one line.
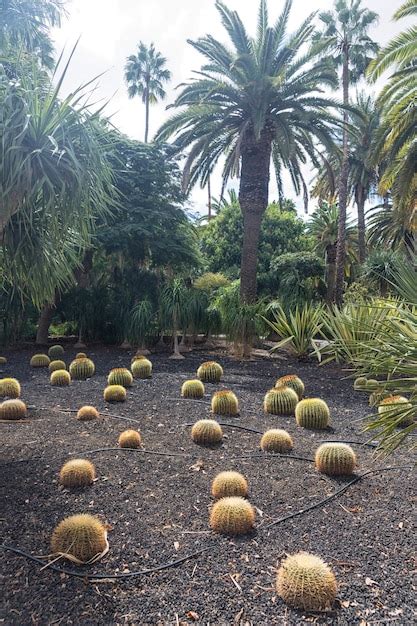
[(296, 329)]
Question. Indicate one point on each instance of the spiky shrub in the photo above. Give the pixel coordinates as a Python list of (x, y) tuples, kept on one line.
[(192, 389), (57, 365), (55, 352), (306, 582), (360, 383), (206, 432), (372, 385), (141, 368), (335, 459), (13, 410), (9, 388), (3, 360), (81, 355), (40, 360), (293, 382), (81, 536), (87, 413), (210, 372), (120, 376), (228, 484), (60, 378), (114, 393), (82, 368), (276, 440), (225, 403), (232, 516), (130, 439), (394, 406), (312, 413), (280, 401), (77, 473)]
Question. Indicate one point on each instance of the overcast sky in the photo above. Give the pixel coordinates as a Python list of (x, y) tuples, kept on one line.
[(111, 29)]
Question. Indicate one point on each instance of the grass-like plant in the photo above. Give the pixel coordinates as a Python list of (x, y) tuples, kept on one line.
[(77, 473), (232, 516), (312, 413), (40, 360), (82, 368), (114, 393), (141, 367), (9, 388), (206, 432), (80, 538), (224, 403), (297, 329), (60, 378), (228, 484), (87, 413), (57, 365), (13, 410), (120, 376), (55, 352), (397, 408), (280, 401), (192, 389), (306, 582), (210, 372), (294, 382), (130, 439), (276, 440), (335, 459)]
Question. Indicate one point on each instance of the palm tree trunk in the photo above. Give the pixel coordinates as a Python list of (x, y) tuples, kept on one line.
[(44, 323), (147, 114), (331, 273), (343, 188), (253, 198), (360, 204)]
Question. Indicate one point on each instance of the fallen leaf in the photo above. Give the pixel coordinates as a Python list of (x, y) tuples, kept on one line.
[(193, 615)]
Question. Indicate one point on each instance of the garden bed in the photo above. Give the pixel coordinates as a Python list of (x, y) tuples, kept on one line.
[(158, 506)]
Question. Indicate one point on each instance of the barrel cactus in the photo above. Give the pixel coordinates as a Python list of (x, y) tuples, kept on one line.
[(293, 382), (81, 355), (79, 537), (206, 432), (77, 473), (9, 388), (55, 352), (120, 376), (372, 385), (312, 413), (114, 393), (141, 368), (210, 372), (394, 406), (360, 383), (40, 360), (306, 582), (280, 401), (87, 413), (225, 403), (376, 397), (192, 389), (228, 484), (232, 516), (335, 459), (82, 368), (13, 410), (56, 365), (276, 440), (130, 439), (60, 378), (3, 360)]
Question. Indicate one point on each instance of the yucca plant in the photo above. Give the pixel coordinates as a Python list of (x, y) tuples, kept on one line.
[(296, 329), (140, 323), (172, 306)]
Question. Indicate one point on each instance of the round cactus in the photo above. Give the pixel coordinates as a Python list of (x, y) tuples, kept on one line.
[(81, 355), (280, 401), (293, 382), (141, 368), (3, 360), (312, 413), (40, 360), (82, 537), (87, 413), (82, 368), (57, 365), (9, 388), (377, 396), (60, 378), (206, 432), (114, 393), (210, 372), (276, 440), (13, 410), (130, 439), (232, 516), (306, 582), (372, 385), (224, 403), (55, 352), (228, 484), (360, 383), (192, 389), (335, 459), (77, 473), (120, 376), (394, 406)]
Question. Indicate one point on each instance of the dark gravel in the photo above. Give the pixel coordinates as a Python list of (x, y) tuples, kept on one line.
[(158, 506)]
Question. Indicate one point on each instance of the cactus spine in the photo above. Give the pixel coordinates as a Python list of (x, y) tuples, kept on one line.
[(120, 376), (81, 369), (276, 440), (9, 388), (13, 410), (280, 401), (77, 473), (306, 582), (335, 459), (232, 516), (293, 382), (114, 393), (312, 413), (192, 389), (82, 537), (207, 432), (210, 372), (225, 403)]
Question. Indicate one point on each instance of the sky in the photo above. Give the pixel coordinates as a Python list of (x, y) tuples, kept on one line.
[(109, 31)]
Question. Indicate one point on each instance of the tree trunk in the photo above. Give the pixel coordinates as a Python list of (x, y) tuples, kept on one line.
[(253, 199), (331, 273), (209, 215), (147, 113), (360, 203), (176, 354), (44, 323), (343, 187)]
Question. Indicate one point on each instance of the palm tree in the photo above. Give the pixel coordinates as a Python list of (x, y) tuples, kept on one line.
[(396, 142), (345, 32), (256, 101), (388, 229), (145, 74)]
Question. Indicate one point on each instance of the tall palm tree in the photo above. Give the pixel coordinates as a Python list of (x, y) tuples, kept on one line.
[(145, 74), (396, 142), (386, 228), (255, 101), (345, 32)]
